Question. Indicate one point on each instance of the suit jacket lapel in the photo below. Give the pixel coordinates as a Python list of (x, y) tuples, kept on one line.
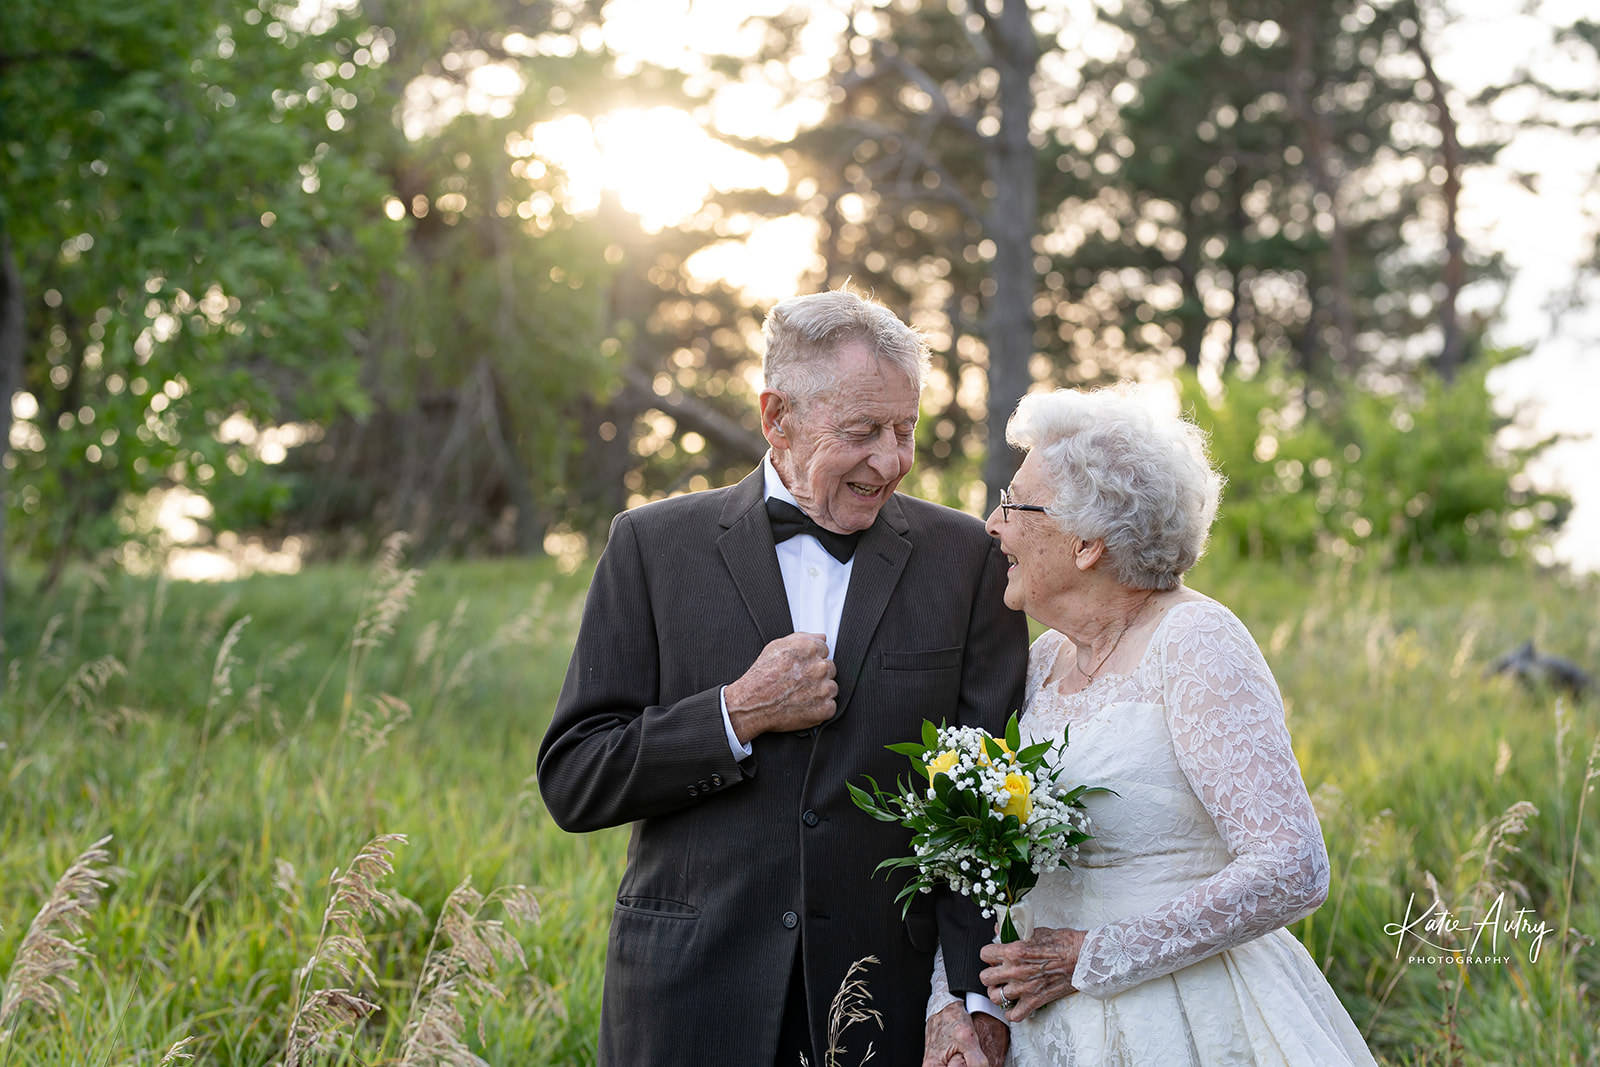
[(747, 549), (880, 559)]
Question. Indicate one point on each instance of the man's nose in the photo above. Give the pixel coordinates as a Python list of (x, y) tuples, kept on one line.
[(885, 458), (991, 525)]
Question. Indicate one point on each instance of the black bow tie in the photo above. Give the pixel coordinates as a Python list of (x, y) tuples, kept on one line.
[(789, 521)]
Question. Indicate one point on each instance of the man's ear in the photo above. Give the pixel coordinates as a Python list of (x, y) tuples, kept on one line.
[(775, 410)]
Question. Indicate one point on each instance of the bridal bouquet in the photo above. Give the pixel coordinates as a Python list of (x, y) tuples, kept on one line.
[(991, 819)]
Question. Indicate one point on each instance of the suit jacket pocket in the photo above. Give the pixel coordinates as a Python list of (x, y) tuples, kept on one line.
[(934, 659), (658, 907)]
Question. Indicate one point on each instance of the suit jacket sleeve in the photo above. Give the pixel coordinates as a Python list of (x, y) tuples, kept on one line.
[(612, 754), (993, 680)]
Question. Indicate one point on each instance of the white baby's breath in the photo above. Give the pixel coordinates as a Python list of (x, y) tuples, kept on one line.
[(1000, 822)]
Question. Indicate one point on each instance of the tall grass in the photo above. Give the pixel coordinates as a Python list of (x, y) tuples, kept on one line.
[(242, 741), (225, 768)]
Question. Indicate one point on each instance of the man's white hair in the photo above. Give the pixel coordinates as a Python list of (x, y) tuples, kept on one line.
[(804, 334), (1141, 482)]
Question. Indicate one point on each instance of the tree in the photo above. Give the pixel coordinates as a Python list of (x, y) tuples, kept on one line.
[(524, 375), (1265, 182), (190, 245), (490, 334), (926, 184), (1230, 181)]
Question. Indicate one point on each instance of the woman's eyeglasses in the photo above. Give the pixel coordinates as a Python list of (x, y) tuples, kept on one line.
[(1007, 505)]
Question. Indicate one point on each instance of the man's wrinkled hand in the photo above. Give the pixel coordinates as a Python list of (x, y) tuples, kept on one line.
[(956, 1039), (790, 686), (994, 1037)]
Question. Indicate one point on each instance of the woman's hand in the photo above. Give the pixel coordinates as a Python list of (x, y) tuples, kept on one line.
[(1032, 973)]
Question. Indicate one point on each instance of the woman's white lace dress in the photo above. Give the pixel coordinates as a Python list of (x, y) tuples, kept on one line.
[(1208, 850)]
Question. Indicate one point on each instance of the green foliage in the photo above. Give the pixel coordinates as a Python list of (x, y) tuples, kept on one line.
[(194, 243), (487, 344), (1398, 479)]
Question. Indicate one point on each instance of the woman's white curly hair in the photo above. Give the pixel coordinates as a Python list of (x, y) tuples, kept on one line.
[(1141, 482)]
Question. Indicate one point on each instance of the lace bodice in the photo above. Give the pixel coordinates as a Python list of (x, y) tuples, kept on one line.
[(1211, 840)]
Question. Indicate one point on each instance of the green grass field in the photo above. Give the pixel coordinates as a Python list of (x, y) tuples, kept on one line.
[(241, 742)]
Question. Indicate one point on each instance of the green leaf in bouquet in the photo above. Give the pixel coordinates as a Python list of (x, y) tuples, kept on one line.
[(994, 750), (895, 863), (1013, 733), (1029, 757), (872, 803), (908, 894), (947, 791), (909, 748), (930, 736)]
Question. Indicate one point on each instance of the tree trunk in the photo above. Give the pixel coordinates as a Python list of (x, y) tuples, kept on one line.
[(11, 338), (528, 526), (1453, 350), (1013, 216), (1192, 316), (1238, 221), (1302, 84)]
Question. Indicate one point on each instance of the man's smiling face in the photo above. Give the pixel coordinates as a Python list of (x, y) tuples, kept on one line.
[(848, 448)]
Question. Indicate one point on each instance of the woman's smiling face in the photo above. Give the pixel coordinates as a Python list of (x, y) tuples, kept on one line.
[(1039, 552)]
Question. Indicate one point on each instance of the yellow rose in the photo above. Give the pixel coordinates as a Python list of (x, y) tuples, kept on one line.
[(1020, 803), (941, 763), (983, 760)]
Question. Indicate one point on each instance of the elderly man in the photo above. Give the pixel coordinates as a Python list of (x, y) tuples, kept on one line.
[(744, 653)]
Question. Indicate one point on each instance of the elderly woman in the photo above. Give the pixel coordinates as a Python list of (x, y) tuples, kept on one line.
[(1165, 944)]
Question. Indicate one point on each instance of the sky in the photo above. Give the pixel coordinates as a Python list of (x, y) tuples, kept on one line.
[(1535, 222), (1543, 236)]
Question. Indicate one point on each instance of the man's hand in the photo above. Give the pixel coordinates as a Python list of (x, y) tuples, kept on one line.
[(790, 686), (956, 1039)]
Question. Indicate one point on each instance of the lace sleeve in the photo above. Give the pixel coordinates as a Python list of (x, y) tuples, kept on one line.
[(1227, 725), (940, 997)]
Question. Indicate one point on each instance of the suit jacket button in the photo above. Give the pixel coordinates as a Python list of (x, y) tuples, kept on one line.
[(810, 818), (693, 791), (716, 779), (705, 786), (791, 920)]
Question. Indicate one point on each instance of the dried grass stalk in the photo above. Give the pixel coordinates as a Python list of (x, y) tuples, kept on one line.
[(320, 1013), (53, 945), (848, 1008), (388, 595), (462, 968), (177, 1052)]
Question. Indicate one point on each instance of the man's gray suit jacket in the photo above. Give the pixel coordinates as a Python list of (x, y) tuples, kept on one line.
[(735, 866)]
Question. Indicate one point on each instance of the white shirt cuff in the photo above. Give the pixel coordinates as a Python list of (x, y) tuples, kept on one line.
[(741, 750), (977, 1002)]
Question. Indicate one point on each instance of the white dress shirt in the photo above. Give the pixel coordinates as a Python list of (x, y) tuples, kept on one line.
[(816, 585)]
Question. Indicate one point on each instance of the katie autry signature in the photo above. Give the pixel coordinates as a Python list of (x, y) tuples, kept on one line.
[(1438, 929)]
